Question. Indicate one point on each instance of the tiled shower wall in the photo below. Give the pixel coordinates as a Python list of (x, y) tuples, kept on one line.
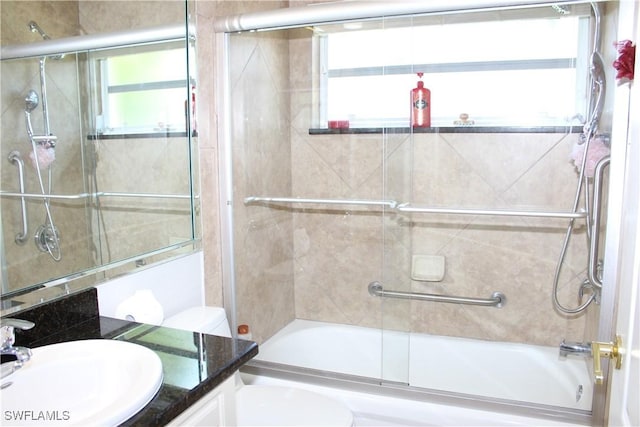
[(315, 263), (338, 253)]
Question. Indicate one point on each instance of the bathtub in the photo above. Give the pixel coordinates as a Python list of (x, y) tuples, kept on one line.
[(493, 370)]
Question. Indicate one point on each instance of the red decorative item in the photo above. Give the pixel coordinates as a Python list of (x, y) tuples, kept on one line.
[(338, 124), (420, 105), (624, 63)]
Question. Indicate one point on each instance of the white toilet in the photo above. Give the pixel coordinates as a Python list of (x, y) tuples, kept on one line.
[(265, 405)]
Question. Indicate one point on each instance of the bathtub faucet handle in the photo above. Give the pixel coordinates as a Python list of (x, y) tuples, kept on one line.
[(576, 348)]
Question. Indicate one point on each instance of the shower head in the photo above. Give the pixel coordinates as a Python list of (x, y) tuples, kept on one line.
[(35, 28), (31, 101), (562, 10), (598, 79), (598, 89), (597, 68)]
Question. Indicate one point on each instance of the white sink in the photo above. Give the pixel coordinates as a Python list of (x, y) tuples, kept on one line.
[(92, 382)]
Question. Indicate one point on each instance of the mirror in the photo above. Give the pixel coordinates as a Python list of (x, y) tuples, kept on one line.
[(97, 147)]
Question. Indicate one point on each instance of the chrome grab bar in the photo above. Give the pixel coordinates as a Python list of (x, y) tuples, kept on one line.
[(14, 157), (498, 299), (407, 208), (595, 223)]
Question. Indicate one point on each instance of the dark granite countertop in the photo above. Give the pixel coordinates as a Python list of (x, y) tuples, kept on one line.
[(193, 363)]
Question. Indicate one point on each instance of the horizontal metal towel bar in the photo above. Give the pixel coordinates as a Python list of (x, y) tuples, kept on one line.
[(88, 195), (498, 299), (407, 208), (389, 203), (494, 212)]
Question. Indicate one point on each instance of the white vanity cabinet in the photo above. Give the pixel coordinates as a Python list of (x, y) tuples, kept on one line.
[(216, 408)]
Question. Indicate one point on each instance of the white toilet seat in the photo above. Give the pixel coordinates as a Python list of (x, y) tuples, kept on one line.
[(287, 406)]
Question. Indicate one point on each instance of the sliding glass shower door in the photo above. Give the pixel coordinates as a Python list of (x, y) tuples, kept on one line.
[(438, 244)]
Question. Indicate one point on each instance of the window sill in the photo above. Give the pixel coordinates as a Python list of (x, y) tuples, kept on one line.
[(449, 129), (94, 137)]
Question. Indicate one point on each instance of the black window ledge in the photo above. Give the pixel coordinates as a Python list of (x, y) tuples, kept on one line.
[(449, 129)]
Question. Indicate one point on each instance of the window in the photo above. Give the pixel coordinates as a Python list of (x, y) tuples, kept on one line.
[(143, 90), (519, 71)]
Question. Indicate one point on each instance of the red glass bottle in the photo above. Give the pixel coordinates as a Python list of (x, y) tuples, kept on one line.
[(420, 105)]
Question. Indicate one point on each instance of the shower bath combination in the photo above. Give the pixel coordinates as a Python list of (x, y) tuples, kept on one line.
[(334, 241)]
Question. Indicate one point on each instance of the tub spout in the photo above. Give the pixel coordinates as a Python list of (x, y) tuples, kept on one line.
[(575, 348)]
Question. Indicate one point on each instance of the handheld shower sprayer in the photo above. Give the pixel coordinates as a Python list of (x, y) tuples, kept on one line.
[(31, 103), (598, 82), (590, 133), (599, 91), (42, 154)]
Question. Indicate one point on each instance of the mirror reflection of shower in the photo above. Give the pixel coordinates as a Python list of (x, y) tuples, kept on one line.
[(42, 155)]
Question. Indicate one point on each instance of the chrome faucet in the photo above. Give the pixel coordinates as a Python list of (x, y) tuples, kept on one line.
[(7, 339), (575, 348)]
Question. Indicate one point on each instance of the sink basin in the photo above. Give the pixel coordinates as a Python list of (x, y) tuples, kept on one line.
[(92, 382)]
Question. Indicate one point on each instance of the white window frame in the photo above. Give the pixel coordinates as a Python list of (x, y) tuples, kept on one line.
[(103, 124), (580, 64)]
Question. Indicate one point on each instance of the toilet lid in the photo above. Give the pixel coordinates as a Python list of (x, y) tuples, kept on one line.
[(286, 406)]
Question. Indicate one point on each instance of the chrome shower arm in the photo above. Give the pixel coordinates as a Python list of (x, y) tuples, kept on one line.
[(35, 28)]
